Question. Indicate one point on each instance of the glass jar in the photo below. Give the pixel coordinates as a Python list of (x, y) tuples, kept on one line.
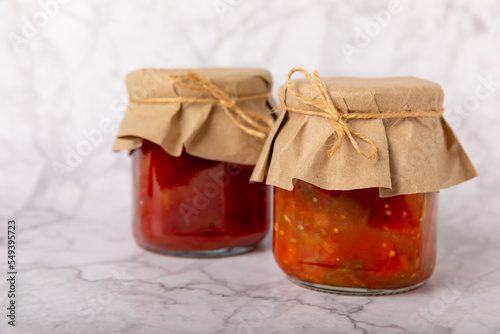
[(354, 242), (192, 207)]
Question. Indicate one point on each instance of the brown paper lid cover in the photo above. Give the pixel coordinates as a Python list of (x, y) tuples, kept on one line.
[(202, 129), (414, 154)]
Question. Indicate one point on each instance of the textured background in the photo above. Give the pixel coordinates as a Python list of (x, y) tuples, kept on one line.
[(69, 76), (62, 77)]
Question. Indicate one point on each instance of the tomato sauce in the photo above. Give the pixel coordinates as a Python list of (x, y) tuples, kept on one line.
[(187, 204)]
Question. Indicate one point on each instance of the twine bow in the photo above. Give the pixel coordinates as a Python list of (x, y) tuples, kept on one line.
[(327, 109), (254, 124)]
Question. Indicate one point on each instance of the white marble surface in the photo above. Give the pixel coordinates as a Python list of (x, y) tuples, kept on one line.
[(79, 269)]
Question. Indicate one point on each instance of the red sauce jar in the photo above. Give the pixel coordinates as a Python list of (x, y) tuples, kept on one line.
[(188, 206), (354, 241), (194, 137)]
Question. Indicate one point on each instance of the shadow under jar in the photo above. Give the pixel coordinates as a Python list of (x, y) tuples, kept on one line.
[(354, 242), (192, 207)]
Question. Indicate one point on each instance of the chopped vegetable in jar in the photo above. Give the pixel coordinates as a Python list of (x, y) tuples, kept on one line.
[(354, 238)]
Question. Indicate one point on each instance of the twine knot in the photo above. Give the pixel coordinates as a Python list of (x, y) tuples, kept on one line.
[(227, 103), (326, 108)]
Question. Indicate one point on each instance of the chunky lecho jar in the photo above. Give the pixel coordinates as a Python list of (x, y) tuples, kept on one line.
[(357, 165), (354, 241), (195, 136)]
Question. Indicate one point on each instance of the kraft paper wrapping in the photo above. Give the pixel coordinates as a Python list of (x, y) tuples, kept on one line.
[(415, 155), (202, 129)]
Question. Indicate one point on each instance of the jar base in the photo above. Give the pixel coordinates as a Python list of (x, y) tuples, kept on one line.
[(213, 253), (340, 290)]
